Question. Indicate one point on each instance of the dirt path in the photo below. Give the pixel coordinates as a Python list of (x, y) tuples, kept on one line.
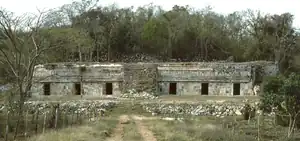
[(119, 130), (146, 134)]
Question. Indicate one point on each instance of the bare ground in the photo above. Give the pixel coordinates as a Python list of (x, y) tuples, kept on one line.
[(119, 130), (143, 130)]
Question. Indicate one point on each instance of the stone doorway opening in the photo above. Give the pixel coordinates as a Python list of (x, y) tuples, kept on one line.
[(204, 88), (173, 88), (108, 88), (46, 88), (77, 89), (236, 89)]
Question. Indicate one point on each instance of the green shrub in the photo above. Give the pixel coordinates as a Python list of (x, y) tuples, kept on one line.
[(282, 93)]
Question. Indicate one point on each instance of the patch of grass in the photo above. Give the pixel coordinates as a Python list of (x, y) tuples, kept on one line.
[(35, 125), (131, 133), (215, 129), (94, 131)]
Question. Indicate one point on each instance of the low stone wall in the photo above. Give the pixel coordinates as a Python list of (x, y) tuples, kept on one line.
[(209, 108), (134, 94), (78, 106), (214, 108)]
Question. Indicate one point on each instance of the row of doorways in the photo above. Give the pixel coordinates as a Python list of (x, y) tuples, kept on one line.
[(108, 90), (204, 88)]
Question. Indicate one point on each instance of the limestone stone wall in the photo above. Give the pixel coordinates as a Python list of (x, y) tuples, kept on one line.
[(213, 108), (223, 89), (208, 108), (93, 89), (79, 106), (55, 89), (194, 88), (76, 72), (206, 71), (186, 88), (62, 78), (140, 76), (220, 77), (152, 77)]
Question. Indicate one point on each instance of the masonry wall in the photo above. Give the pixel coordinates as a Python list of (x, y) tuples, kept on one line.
[(205, 72), (140, 76), (62, 78), (219, 76), (194, 88), (188, 77), (61, 72), (96, 89)]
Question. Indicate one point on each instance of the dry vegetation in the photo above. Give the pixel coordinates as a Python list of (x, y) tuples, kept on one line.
[(92, 131), (213, 129), (131, 132), (191, 128)]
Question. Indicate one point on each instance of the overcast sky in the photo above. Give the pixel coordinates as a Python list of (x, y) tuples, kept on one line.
[(220, 6)]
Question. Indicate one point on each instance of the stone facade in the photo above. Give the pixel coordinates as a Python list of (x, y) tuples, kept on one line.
[(213, 78), (195, 78), (91, 79)]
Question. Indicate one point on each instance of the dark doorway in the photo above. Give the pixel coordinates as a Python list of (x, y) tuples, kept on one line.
[(204, 89), (77, 89), (108, 89), (46, 88), (173, 88), (236, 89)]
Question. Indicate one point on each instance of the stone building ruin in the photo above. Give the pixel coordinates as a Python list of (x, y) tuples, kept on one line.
[(193, 78)]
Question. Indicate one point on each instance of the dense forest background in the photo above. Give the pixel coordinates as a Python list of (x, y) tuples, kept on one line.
[(83, 31)]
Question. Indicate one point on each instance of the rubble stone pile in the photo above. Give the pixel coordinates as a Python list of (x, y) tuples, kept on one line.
[(79, 106), (134, 94), (199, 109)]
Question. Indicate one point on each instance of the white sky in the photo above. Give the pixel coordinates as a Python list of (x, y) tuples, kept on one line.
[(220, 6)]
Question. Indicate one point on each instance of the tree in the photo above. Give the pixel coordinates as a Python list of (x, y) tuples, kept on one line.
[(182, 33), (20, 48), (282, 93)]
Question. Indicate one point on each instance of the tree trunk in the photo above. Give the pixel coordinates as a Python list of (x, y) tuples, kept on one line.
[(20, 111), (170, 43), (80, 55), (97, 53), (81, 86), (108, 53), (97, 50), (91, 55)]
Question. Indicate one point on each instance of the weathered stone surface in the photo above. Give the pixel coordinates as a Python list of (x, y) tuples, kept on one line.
[(80, 106), (134, 94), (219, 76), (77, 72), (213, 71), (153, 78), (141, 77), (214, 108), (62, 78)]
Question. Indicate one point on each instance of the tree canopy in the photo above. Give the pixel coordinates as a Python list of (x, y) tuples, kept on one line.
[(87, 32)]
